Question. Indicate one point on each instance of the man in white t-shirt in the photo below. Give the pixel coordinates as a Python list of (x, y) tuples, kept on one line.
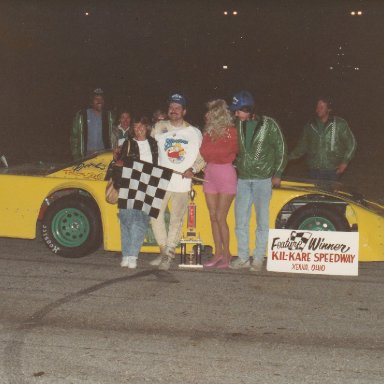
[(178, 143)]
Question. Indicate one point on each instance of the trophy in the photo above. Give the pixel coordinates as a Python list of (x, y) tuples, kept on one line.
[(191, 245), (190, 254), (191, 219)]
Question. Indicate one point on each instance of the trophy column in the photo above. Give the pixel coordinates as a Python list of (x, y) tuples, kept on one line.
[(191, 245)]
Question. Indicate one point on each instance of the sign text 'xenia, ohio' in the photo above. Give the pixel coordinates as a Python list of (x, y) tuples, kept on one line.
[(318, 252)]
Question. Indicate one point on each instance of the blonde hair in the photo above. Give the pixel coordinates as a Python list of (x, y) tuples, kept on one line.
[(218, 119)]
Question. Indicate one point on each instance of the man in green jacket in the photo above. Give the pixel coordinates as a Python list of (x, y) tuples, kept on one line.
[(260, 162), (91, 128), (328, 143)]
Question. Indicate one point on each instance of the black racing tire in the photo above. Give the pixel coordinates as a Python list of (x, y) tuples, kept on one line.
[(71, 226), (318, 218)]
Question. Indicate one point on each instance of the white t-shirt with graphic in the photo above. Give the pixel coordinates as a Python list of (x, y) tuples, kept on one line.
[(178, 150)]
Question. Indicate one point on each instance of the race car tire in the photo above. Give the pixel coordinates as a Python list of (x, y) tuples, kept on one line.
[(71, 226), (318, 218)]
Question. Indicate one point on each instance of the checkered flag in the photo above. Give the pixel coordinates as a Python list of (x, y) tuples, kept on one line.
[(300, 236), (143, 186)]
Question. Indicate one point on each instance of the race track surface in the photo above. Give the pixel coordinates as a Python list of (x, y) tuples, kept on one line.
[(89, 321)]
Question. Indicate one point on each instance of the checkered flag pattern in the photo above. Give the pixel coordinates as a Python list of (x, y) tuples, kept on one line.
[(143, 186), (300, 236)]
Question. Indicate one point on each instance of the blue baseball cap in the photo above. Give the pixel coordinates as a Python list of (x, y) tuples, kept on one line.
[(177, 98), (242, 99)]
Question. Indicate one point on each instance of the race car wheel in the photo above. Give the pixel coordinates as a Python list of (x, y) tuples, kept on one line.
[(71, 226), (318, 218)]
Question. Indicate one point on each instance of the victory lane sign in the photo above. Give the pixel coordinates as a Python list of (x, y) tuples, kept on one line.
[(316, 252)]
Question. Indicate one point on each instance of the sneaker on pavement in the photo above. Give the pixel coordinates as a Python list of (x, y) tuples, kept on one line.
[(239, 263), (132, 262), (165, 262), (156, 261), (164, 251), (257, 265), (124, 261), (129, 262)]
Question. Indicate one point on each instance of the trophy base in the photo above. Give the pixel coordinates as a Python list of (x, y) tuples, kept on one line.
[(190, 266)]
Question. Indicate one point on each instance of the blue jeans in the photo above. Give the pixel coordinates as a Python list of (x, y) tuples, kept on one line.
[(133, 227), (250, 192)]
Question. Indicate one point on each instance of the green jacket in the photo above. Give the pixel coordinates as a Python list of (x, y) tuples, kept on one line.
[(267, 154), (79, 133), (326, 145)]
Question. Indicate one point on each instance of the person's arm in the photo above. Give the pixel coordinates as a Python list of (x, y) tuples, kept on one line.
[(233, 142), (115, 137), (75, 136), (117, 169), (281, 155), (301, 146), (197, 166), (199, 162), (350, 146), (111, 129)]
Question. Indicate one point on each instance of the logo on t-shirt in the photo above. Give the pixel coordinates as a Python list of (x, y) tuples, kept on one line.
[(175, 150)]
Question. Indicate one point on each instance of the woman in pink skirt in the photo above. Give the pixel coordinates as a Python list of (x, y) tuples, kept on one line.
[(219, 150)]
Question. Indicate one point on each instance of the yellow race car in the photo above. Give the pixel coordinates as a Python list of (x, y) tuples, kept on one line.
[(66, 204)]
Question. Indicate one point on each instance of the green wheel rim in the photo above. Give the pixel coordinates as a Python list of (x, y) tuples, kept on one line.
[(317, 223), (70, 227)]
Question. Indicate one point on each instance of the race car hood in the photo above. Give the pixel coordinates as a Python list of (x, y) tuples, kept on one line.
[(333, 189), (98, 162), (32, 169)]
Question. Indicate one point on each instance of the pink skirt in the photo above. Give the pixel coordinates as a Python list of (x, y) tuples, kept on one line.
[(220, 178)]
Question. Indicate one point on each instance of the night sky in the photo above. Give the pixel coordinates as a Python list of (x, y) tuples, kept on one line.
[(285, 52)]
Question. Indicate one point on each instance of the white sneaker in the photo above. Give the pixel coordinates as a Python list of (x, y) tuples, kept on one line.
[(239, 263), (165, 263), (129, 262), (156, 262), (168, 251), (257, 265), (124, 261)]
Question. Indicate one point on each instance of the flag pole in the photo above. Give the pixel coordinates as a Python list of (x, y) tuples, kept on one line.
[(193, 177)]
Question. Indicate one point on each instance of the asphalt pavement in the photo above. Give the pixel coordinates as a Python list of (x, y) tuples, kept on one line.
[(90, 321)]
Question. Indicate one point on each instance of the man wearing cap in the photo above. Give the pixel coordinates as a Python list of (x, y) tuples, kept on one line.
[(92, 128), (178, 144), (260, 162), (328, 143)]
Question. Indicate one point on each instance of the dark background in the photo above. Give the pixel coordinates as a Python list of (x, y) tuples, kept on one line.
[(139, 52)]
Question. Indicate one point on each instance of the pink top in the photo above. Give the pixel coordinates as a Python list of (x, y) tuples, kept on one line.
[(222, 150)]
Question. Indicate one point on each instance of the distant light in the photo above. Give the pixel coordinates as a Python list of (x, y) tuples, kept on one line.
[(234, 13), (225, 66), (86, 13), (356, 13), (225, 13), (359, 13), (331, 68), (357, 68), (353, 13)]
